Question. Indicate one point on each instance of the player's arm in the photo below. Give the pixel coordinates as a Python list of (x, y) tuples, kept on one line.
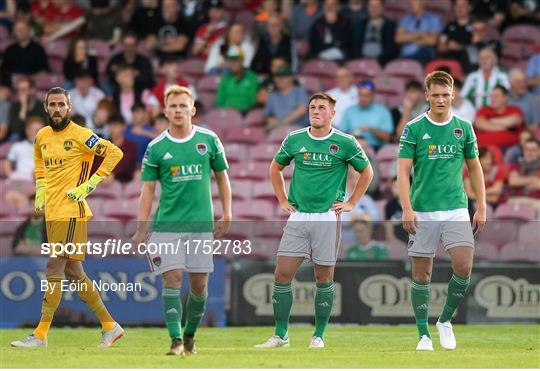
[(476, 176), (410, 221), (145, 209), (225, 196), (278, 183), (39, 173), (111, 156), (360, 188)]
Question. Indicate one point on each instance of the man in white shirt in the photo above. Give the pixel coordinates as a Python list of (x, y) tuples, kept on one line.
[(345, 93), (462, 107), (19, 164), (85, 97)]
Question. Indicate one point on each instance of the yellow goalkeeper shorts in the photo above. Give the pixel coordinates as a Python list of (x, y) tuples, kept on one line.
[(71, 235)]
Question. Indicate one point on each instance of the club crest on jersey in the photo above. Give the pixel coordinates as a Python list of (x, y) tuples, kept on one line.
[(334, 148), (202, 149), (68, 144), (157, 261), (91, 142), (405, 132), (458, 133)]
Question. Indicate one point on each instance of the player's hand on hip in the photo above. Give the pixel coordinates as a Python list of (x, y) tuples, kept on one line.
[(479, 221), (287, 207), (79, 193), (222, 227), (139, 237), (342, 207), (410, 221)]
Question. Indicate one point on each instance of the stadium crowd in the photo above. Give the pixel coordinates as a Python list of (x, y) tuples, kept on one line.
[(252, 65)]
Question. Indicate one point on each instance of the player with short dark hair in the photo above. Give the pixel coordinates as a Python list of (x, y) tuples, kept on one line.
[(63, 156), (434, 145), (322, 155)]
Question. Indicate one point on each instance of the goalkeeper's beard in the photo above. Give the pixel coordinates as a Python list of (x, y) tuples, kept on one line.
[(59, 126)]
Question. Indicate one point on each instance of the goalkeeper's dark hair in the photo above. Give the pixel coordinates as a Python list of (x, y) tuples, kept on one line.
[(57, 90)]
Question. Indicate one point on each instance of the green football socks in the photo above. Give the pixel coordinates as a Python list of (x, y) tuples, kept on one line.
[(195, 307), (420, 304), (282, 299), (324, 300), (457, 289), (172, 311)]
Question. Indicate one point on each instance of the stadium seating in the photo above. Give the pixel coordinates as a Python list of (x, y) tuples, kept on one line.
[(390, 90), (263, 152), (253, 210), (248, 170), (264, 190), (249, 135), (520, 251), (255, 117), (499, 232), (515, 211), (454, 66), (364, 69), (221, 120), (192, 67), (387, 153), (486, 251), (405, 69), (522, 35), (311, 83), (322, 69), (529, 232), (236, 152), (124, 210)]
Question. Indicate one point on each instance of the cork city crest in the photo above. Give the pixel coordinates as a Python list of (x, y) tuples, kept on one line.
[(202, 148)]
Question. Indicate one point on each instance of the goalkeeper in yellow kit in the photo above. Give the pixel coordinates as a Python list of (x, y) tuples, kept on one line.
[(63, 156)]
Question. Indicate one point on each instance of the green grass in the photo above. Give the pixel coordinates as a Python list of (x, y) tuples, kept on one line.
[(479, 346)]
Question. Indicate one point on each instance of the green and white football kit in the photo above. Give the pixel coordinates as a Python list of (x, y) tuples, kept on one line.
[(437, 193), (319, 179), (183, 223)]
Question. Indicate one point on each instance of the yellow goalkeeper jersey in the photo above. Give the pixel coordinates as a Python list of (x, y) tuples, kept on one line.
[(64, 160)]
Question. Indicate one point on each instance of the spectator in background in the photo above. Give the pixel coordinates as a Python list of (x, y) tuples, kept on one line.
[(235, 36), (494, 178), (480, 39), (457, 34), (330, 34), (355, 10), (288, 103), (24, 56), (302, 15), (533, 73), (238, 88), (418, 32), (128, 93), (498, 124), (519, 96), (19, 164), (345, 93), (267, 10), (514, 154), (174, 33), (140, 131), (105, 109), (145, 21), (370, 118), (494, 11), (170, 70), (462, 107), (479, 84), (393, 213), (130, 57), (523, 179), (29, 236), (524, 12), (103, 21), (195, 12), (79, 120), (123, 172), (207, 34), (5, 104), (365, 248), (85, 97), (374, 36), (269, 84), (273, 42), (161, 123), (58, 15), (413, 105), (25, 106), (78, 60)]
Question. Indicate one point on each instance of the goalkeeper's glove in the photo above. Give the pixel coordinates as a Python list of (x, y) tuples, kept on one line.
[(39, 200), (81, 192)]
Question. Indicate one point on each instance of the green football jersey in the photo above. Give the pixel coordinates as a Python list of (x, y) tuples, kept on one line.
[(438, 151), (320, 167), (184, 167)]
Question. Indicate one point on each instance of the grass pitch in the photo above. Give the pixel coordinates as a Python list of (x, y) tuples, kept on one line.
[(479, 346)]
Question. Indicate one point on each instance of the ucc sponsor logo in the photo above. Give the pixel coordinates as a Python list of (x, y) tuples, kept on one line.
[(186, 172), (436, 151), (53, 162), (317, 159)]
